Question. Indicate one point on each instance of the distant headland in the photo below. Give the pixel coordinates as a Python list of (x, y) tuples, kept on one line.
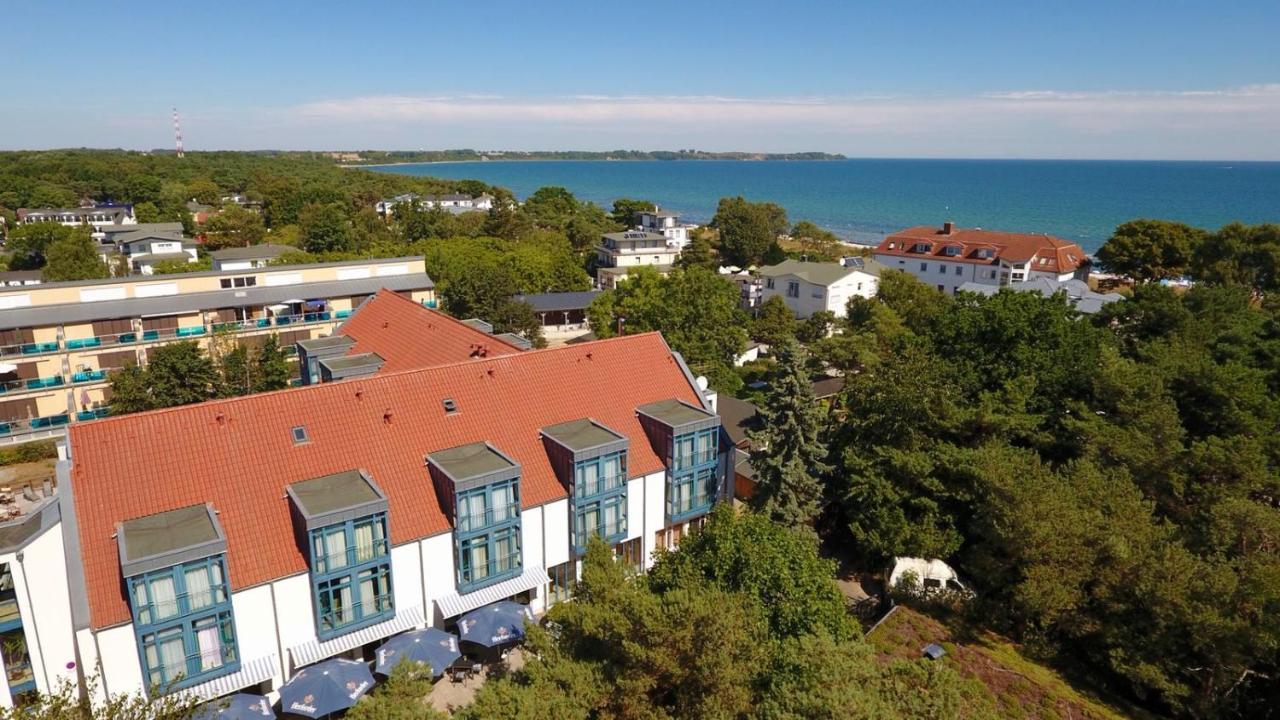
[(395, 157)]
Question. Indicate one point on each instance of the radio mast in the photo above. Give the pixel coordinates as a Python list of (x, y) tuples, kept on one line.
[(177, 133)]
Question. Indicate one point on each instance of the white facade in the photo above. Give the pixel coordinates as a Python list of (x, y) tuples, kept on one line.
[(75, 217), (634, 248), (143, 254), (666, 224), (275, 626), (806, 296), (456, 203), (948, 275)]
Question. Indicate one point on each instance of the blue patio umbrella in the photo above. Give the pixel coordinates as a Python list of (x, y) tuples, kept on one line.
[(241, 706), (493, 625), (432, 647), (325, 688)]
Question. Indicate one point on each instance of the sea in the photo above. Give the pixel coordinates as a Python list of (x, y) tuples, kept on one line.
[(864, 199)]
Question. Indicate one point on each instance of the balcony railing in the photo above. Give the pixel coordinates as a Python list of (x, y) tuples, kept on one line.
[(44, 382), (601, 485), (30, 348), (689, 504), (609, 531), (500, 565), (85, 415), (491, 516), (123, 338), (85, 376), (699, 457)]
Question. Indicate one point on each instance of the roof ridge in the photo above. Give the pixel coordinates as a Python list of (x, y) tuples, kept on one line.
[(446, 316)]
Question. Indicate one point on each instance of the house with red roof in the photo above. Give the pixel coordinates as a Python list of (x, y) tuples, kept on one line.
[(947, 257), (221, 547)]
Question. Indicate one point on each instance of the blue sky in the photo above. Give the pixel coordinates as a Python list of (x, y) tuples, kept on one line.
[(1168, 79)]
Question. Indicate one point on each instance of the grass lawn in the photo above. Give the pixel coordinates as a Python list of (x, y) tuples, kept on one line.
[(1020, 686)]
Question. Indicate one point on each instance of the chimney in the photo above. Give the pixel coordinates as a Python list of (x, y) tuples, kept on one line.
[(947, 227)]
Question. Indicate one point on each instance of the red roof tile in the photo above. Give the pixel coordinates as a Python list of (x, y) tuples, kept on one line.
[(239, 454), (407, 335), (1061, 256)]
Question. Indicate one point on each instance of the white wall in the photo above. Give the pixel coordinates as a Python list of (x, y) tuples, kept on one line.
[(947, 277), (437, 570), (255, 621), (40, 587)]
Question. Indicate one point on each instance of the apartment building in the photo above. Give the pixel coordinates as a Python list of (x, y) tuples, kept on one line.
[(620, 252), (59, 340), (948, 257), (223, 546), (810, 287)]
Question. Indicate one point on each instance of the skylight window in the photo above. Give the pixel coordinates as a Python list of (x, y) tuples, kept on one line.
[(300, 435), (450, 406)]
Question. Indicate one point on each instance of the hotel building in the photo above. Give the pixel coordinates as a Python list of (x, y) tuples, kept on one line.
[(949, 257), (219, 547)]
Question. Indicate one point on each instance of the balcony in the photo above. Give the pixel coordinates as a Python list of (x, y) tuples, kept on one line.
[(491, 516), (100, 340), (341, 314), (89, 376), (688, 506), (694, 459), (602, 485), (80, 343), (16, 426), (37, 348), (96, 414), (44, 382)]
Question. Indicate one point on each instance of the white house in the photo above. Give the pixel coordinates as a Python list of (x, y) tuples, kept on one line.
[(142, 253), (247, 258), (74, 217), (810, 287), (666, 223), (949, 257), (222, 546), (620, 251)]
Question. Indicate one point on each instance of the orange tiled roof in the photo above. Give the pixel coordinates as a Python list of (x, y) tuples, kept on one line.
[(238, 454), (407, 335), (1061, 256)]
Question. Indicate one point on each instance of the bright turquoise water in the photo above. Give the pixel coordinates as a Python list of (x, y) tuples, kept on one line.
[(863, 199)]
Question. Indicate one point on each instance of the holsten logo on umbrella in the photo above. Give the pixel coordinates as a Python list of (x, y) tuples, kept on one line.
[(305, 706)]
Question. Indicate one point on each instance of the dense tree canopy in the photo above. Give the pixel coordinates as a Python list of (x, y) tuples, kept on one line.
[(1151, 249), (748, 230), (695, 309), (1108, 485)]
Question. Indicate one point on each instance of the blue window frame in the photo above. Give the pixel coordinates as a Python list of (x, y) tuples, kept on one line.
[(489, 557), (600, 499), (694, 477), (351, 575), (606, 517), (183, 621), (695, 449), (488, 534)]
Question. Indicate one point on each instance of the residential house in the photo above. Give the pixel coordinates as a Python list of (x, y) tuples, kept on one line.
[(620, 252), (19, 278), (248, 257), (949, 257), (666, 223), (142, 252), (60, 340), (810, 287), (93, 215)]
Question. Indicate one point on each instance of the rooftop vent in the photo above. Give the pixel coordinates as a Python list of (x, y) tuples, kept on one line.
[(450, 407), (299, 435)]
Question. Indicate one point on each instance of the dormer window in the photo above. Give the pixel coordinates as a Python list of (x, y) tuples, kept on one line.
[(482, 485), (174, 564), (921, 247), (344, 516), (597, 481), (689, 438), (951, 250)]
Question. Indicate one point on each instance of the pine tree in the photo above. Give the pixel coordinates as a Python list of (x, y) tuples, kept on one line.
[(789, 456), (271, 367)]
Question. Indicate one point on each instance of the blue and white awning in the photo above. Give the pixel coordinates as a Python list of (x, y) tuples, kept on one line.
[(455, 604), (250, 673), (315, 651)]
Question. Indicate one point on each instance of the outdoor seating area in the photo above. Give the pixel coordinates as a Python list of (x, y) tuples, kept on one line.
[(486, 637)]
